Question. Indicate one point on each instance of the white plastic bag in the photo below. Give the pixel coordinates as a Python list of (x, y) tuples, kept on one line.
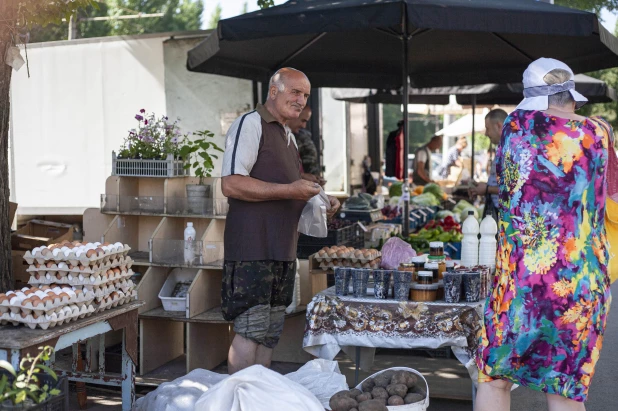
[(180, 394), (313, 219), (258, 389), (322, 377)]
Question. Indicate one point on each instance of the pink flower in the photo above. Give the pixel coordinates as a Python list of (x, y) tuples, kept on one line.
[(139, 118), (142, 111)]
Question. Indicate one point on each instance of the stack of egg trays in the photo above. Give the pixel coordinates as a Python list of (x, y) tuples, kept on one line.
[(63, 309), (76, 258), (63, 273)]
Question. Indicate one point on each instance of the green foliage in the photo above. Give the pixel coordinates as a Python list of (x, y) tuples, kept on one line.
[(264, 4), (216, 16), (198, 154), (24, 385), (589, 5), (44, 12), (179, 15)]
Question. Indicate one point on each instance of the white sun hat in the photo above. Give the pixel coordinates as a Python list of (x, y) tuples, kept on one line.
[(536, 90)]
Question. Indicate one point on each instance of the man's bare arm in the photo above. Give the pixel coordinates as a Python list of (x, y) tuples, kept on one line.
[(420, 170), (253, 190)]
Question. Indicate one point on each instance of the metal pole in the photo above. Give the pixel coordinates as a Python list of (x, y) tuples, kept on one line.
[(473, 126), (406, 129)]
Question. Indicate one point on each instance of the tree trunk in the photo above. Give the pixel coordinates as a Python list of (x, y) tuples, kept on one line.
[(8, 11)]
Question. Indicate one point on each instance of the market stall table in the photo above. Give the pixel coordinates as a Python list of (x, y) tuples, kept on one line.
[(338, 323), (17, 342)]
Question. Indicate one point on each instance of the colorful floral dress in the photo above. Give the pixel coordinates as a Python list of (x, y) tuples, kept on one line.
[(545, 318)]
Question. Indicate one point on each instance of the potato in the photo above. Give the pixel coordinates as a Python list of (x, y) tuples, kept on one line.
[(353, 393), (400, 377), (368, 385), (364, 397), (389, 374), (417, 389), (412, 398), (342, 402), (395, 400), (382, 380), (379, 392), (412, 379), (397, 389), (372, 405)]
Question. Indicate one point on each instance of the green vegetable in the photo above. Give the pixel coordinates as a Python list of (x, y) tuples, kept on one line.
[(425, 200), (460, 206), (434, 189), (464, 213), (366, 196), (441, 215), (395, 190)]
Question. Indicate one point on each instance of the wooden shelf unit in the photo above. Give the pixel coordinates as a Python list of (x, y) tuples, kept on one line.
[(199, 335)]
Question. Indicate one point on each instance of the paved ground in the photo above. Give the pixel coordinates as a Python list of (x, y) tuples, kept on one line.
[(448, 378)]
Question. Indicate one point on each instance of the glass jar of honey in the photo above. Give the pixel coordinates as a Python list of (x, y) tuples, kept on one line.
[(409, 267), (423, 292), (450, 266), (424, 277), (434, 267), (436, 249)]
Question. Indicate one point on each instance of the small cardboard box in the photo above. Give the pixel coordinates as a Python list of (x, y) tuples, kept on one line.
[(38, 232)]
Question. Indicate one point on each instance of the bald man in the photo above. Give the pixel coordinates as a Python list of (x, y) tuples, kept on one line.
[(266, 194)]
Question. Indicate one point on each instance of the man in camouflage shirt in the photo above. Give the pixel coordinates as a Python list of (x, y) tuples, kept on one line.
[(306, 148)]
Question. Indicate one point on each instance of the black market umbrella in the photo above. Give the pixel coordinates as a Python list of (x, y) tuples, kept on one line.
[(389, 43), (597, 91)]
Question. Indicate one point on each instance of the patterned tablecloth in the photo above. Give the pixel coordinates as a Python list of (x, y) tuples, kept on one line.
[(336, 323)]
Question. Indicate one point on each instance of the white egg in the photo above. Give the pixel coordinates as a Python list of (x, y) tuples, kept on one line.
[(67, 252), (56, 252), (62, 266)]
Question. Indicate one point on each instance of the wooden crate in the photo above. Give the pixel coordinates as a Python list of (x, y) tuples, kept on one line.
[(319, 277), (39, 232)]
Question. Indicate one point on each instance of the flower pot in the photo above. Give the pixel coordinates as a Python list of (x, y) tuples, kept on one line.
[(199, 199)]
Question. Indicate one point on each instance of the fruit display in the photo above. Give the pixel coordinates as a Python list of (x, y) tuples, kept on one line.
[(342, 256), (389, 388), (102, 269), (446, 231)]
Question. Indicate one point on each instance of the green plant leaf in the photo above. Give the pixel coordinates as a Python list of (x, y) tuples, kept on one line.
[(196, 164), (7, 366), (20, 397), (49, 371), (55, 391), (187, 166)]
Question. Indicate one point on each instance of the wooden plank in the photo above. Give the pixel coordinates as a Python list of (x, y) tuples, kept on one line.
[(169, 229), (160, 342), (290, 347), (12, 337), (151, 187), (211, 316), (204, 293), (149, 287), (128, 186), (112, 185), (318, 282), (95, 224), (123, 229), (207, 345), (147, 225), (213, 249)]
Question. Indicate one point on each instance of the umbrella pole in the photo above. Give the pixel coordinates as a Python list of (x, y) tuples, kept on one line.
[(473, 133), (406, 135)]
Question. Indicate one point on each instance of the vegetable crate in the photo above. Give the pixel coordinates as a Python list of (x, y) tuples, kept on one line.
[(334, 237), (356, 240), (167, 168), (453, 250)]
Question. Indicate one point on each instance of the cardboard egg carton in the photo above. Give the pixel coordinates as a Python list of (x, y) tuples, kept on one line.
[(81, 279), (76, 253), (338, 253), (63, 268)]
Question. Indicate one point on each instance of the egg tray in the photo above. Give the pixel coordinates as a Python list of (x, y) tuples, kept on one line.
[(107, 289), (108, 302), (350, 257), (373, 264), (42, 257), (62, 267), (16, 304), (93, 280), (54, 318)]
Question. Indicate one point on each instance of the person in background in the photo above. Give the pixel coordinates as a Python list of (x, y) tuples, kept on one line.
[(545, 318), (306, 148), (395, 164), (261, 179), (494, 121), (453, 157), (422, 161)]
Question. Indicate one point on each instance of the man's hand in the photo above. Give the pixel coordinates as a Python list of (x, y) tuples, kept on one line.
[(310, 177), (334, 206), (303, 190), (478, 190), (321, 181)]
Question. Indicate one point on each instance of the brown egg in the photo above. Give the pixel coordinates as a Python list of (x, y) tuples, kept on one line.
[(91, 253), (46, 252), (116, 270), (62, 295), (23, 315), (26, 301), (105, 244), (38, 303), (37, 276), (45, 287), (78, 291), (110, 273), (48, 298), (82, 267), (28, 292), (71, 266), (37, 265), (4, 298), (35, 315), (100, 252)]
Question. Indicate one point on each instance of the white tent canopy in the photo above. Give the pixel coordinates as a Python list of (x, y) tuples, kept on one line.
[(463, 126)]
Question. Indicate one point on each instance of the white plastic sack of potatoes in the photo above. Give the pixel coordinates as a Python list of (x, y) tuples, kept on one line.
[(258, 389), (180, 394), (322, 377)]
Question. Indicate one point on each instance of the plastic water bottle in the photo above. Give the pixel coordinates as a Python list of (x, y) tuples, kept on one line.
[(489, 245), (189, 245), (470, 242)]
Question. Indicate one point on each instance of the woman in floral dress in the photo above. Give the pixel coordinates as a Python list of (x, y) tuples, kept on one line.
[(545, 318)]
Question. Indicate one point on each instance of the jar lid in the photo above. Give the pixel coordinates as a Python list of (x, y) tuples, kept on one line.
[(425, 274), (436, 258), (431, 266), (450, 263), (419, 259), (406, 265), (431, 287), (435, 244)]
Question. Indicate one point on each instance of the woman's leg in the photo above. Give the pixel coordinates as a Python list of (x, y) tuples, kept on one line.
[(493, 395), (560, 403)]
